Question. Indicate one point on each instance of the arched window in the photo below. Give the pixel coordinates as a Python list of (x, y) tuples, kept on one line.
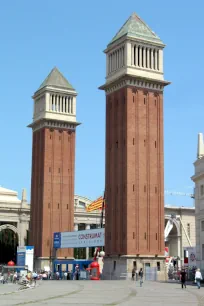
[(62, 109), (65, 104), (138, 56), (150, 58), (154, 60)]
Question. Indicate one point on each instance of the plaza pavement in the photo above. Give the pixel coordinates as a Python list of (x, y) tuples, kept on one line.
[(102, 293)]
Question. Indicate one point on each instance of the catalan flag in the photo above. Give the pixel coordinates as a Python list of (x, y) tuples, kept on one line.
[(97, 204)]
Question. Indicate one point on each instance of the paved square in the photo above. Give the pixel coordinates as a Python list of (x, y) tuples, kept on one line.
[(102, 293)]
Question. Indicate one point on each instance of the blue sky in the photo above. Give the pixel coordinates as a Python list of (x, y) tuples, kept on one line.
[(38, 35)]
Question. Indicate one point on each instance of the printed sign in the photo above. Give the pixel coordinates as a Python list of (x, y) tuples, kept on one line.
[(191, 256), (25, 255), (80, 239)]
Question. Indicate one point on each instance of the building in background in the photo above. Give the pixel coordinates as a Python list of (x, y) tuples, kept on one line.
[(14, 223), (53, 165), (198, 179), (15, 216), (134, 234)]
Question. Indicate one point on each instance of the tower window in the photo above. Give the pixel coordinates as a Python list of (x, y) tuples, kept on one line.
[(155, 144), (145, 236), (144, 100), (67, 206), (150, 58), (49, 169), (156, 236), (133, 187), (144, 188), (138, 55), (154, 60), (133, 99), (155, 102), (59, 170), (133, 141), (144, 143), (134, 55), (50, 136), (58, 205), (133, 235), (155, 189)]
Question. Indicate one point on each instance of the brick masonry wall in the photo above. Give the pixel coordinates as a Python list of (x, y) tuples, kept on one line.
[(134, 172), (52, 188)]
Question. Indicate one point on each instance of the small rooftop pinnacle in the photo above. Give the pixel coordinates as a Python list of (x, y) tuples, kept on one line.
[(135, 27), (56, 79)]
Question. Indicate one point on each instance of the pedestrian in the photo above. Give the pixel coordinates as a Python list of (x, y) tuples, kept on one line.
[(141, 277), (133, 274), (198, 278), (183, 278), (136, 275), (35, 277)]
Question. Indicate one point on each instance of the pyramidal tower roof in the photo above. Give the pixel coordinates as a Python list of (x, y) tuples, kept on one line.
[(56, 79), (135, 27)]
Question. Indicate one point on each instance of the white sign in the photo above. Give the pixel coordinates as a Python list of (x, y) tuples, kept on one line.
[(80, 239), (25, 255), (191, 256)]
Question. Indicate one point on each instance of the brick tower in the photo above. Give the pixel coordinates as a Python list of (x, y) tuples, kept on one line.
[(53, 158), (134, 229)]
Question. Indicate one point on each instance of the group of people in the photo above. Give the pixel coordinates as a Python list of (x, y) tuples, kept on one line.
[(137, 275), (183, 277)]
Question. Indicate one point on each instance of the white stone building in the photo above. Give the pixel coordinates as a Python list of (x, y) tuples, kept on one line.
[(198, 179), (14, 213)]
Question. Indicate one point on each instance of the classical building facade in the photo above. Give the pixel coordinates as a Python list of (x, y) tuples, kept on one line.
[(53, 165), (198, 179), (15, 215), (134, 149)]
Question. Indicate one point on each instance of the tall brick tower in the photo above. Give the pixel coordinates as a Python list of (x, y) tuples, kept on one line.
[(53, 159), (134, 229)]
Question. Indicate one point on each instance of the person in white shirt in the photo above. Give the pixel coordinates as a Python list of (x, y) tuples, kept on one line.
[(198, 278)]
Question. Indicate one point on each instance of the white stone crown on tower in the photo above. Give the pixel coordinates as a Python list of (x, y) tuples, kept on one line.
[(55, 100), (136, 51)]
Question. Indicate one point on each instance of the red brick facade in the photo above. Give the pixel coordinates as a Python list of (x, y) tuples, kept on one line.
[(52, 190), (134, 172)]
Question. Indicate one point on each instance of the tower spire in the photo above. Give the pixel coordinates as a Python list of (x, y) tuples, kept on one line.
[(200, 152)]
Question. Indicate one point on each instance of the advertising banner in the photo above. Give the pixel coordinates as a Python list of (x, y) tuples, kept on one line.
[(191, 255), (25, 255), (80, 239)]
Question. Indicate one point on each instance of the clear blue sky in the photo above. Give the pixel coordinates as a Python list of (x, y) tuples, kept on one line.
[(38, 35)]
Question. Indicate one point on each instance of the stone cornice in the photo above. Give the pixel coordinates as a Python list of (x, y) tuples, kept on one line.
[(53, 124), (134, 81)]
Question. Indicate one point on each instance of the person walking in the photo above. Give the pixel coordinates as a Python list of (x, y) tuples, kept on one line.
[(136, 275), (198, 277), (141, 277), (183, 278), (133, 274)]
